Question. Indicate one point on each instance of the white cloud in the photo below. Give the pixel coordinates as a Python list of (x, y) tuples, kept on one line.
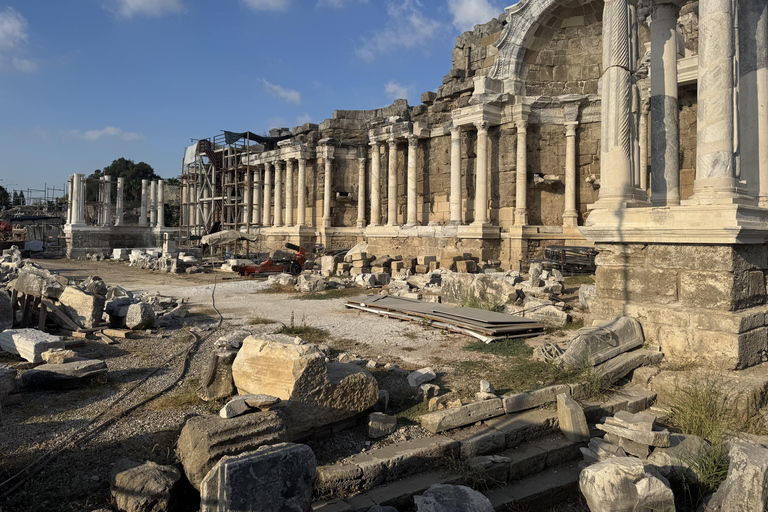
[(267, 5), (131, 8), (397, 91), (276, 122), (288, 95), (468, 13), (109, 131), (303, 119), (406, 27), (337, 4), (13, 36)]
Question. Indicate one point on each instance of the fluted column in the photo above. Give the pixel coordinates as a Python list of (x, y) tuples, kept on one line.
[(77, 193), (153, 203), (392, 184), (267, 196), (665, 145), (82, 185), (289, 191), (257, 184), (301, 214), (455, 175), (375, 184), (644, 113), (327, 190), (361, 188), (481, 174), (521, 185), (143, 210), (160, 204), (107, 200), (278, 216), (413, 146), (570, 215), (119, 202)]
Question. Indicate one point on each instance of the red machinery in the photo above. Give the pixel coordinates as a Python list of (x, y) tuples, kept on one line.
[(293, 265)]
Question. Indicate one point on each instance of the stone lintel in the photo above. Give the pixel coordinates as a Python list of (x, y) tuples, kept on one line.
[(474, 114), (479, 231)]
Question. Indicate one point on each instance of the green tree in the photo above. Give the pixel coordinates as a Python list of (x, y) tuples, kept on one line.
[(131, 172), (5, 197)]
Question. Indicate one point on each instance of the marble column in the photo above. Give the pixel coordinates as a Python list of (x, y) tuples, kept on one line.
[(289, 192), (70, 199), (715, 170), (143, 210), (267, 196), (644, 113), (78, 216), (301, 213), (521, 184), (392, 184), (278, 215), (119, 201), (413, 146), (665, 123), (570, 215), (153, 203), (753, 96), (327, 191), (375, 184), (160, 204), (481, 175), (361, 188), (100, 202), (616, 173), (256, 209), (107, 200), (248, 199), (455, 175)]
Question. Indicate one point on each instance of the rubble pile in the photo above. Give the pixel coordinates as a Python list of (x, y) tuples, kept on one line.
[(155, 259)]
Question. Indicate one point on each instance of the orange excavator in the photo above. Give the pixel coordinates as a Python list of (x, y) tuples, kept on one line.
[(293, 265)]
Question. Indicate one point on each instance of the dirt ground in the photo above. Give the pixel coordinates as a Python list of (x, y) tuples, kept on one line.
[(78, 479)]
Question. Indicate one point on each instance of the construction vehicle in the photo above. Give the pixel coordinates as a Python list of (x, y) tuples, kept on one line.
[(293, 265)]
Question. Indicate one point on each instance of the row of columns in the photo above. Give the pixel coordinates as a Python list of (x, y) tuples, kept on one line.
[(411, 217), (76, 206), (152, 203)]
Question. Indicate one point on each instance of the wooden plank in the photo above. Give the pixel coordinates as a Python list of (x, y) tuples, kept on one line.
[(43, 316), (74, 343), (27, 315), (119, 333), (68, 323), (106, 339)]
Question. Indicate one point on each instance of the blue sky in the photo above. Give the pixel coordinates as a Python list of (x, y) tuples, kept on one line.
[(83, 82)]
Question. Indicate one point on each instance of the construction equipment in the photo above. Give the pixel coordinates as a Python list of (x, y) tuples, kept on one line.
[(570, 259), (293, 265)]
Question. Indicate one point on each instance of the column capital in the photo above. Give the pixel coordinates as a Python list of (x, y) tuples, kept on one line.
[(662, 9), (392, 144), (482, 126), (375, 144), (455, 131), (361, 160), (521, 124), (570, 128), (413, 141)]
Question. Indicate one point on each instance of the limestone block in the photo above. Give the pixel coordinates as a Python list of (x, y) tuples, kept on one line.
[(456, 498), (466, 266), (217, 381), (84, 308), (423, 259), (6, 311), (380, 425), (312, 283), (146, 487), (605, 450), (247, 403), (57, 355), (534, 274), (140, 316), (676, 459), (625, 484), (29, 343), (711, 290), (637, 284), (455, 417), (327, 265), (587, 295), (631, 447), (643, 421), (572, 421), (421, 269), (36, 281), (419, 377), (593, 345), (746, 486), (380, 270), (271, 479), (331, 392), (7, 380), (75, 372), (658, 438)]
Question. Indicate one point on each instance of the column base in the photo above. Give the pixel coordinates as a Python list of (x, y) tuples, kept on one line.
[(521, 217), (570, 220), (718, 191), (411, 224)]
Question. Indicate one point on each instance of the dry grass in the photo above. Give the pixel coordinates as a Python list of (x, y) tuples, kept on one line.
[(183, 396), (257, 320)]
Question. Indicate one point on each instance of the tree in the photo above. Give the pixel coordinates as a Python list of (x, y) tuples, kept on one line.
[(131, 172), (5, 198), (15, 198)]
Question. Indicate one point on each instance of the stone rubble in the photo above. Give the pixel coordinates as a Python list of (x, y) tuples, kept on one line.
[(29, 343), (144, 487)]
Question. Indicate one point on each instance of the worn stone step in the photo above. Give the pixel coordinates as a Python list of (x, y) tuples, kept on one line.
[(541, 491), (531, 458)]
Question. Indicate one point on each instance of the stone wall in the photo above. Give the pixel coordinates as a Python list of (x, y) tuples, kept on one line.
[(688, 111)]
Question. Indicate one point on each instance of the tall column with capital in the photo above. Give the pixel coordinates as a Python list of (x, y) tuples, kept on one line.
[(153, 203), (256, 209), (413, 145), (119, 202), (267, 196), (107, 200), (481, 175), (327, 189), (665, 121), (392, 184), (143, 210), (521, 183), (160, 204), (301, 214), (361, 188), (278, 216), (570, 215), (375, 184), (289, 191), (455, 175)]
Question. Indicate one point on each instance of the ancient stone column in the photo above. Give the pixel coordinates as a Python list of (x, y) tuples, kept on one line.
[(100, 202), (301, 214), (644, 113), (143, 210), (715, 170), (289, 191), (521, 184), (665, 144), (107, 200), (81, 190), (570, 215), (278, 215), (256, 209), (153, 203), (70, 198), (77, 216), (361, 189), (375, 184), (119, 201), (267, 196), (481, 175), (455, 175), (753, 96), (327, 190), (616, 115), (392, 184), (413, 145), (160, 204)]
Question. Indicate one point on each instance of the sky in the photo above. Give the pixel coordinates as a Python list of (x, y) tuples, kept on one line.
[(84, 82)]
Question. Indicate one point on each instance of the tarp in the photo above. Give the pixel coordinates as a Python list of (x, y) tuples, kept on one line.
[(224, 237), (232, 137), (190, 154)]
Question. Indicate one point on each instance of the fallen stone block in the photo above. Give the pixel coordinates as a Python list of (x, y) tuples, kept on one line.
[(455, 417), (74, 373), (587, 296), (277, 478), (312, 283), (620, 366), (217, 381), (605, 450), (380, 425), (658, 438), (140, 316), (643, 421), (57, 355), (82, 307), (625, 484), (38, 282), (29, 343), (593, 345), (247, 403), (7, 380), (144, 487), (454, 498), (572, 421), (419, 377), (675, 461), (631, 447), (534, 274), (746, 486)]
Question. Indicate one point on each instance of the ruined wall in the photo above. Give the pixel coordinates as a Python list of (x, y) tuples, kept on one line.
[(687, 103)]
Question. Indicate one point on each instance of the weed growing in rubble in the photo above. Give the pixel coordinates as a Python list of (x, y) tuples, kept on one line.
[(338, 293), (313, 335), (703, 409), (257, 320), (184, 395), (514, 347), (481, 301)]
